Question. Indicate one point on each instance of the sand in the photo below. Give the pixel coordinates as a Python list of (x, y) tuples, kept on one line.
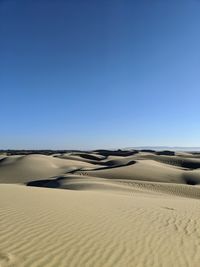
[(95, 210)]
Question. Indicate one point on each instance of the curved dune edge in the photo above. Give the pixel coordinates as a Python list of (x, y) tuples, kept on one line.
[(44, 227), (118, 186), (117, 209)]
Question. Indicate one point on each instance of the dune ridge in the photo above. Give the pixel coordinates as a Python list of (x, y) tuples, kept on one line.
[(100, 208)]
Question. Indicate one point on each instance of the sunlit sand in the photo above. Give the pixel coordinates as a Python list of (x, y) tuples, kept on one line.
[(100, 209)]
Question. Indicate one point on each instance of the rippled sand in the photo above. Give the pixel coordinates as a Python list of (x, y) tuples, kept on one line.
[(97, 210)]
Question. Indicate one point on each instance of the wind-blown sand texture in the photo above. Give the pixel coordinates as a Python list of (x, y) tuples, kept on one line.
[(100, 209)]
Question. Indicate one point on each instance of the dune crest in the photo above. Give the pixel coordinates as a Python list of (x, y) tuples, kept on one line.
[(123, 208)]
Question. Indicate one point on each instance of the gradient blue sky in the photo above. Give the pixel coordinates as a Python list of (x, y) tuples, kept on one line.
[(99, 73)]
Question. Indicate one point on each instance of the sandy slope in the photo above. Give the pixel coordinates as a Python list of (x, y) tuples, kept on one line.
[(135, 210), (21, 169), (44, 227)]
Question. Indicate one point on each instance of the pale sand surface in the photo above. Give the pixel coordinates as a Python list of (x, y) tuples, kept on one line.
[(94, 210)]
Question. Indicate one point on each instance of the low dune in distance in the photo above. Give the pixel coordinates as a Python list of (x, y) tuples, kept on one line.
[(100, 209)]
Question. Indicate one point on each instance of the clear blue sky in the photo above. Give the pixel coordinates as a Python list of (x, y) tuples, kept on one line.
[(99, 73)]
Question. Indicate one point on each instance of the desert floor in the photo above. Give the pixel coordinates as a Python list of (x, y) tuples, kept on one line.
[(100, 209)]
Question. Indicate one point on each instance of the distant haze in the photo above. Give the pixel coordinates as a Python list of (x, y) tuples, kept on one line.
[(169, 148)]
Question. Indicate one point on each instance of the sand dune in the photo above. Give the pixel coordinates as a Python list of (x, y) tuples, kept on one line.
[(21, 169), (141, 170), (188, 163), (96, 209)]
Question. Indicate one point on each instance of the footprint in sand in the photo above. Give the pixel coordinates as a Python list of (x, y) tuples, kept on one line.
[(7, 259), (168, 208), (84, 173)]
